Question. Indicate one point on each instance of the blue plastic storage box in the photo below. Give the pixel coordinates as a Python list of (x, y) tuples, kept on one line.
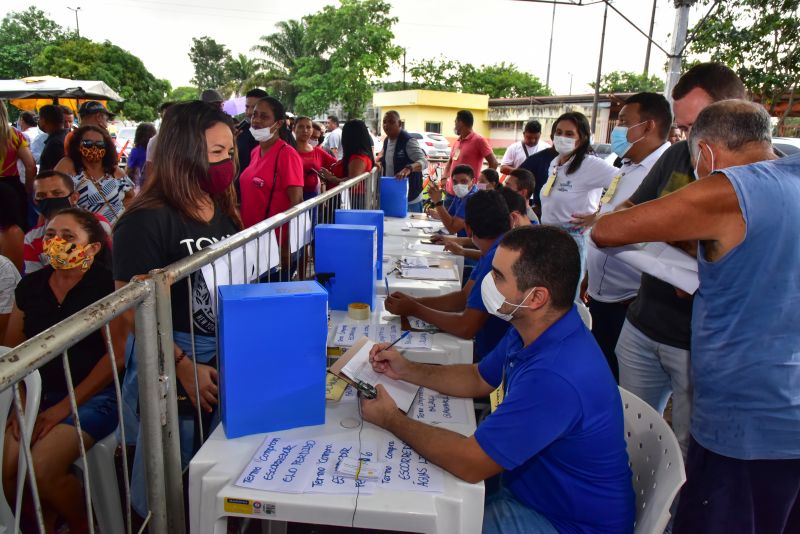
[(345, 258), (370, 218), (394, 196), (272, 343)]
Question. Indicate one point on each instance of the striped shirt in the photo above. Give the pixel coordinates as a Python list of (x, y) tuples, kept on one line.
[(106, 201)]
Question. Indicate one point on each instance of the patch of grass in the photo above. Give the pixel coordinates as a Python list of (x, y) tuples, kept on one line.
[(499, 152)]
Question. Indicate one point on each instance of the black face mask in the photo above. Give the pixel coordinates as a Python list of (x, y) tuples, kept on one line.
[(50, 206)]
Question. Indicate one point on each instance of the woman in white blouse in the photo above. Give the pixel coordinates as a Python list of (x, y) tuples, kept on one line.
[(576, 179)]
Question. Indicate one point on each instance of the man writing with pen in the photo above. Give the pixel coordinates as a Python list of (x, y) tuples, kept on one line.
[(557, 435), (462, 312)]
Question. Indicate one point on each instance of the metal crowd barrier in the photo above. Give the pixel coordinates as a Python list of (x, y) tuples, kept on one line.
[(279, 249)]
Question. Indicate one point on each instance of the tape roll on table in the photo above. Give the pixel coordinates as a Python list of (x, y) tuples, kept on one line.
[(358, 311)]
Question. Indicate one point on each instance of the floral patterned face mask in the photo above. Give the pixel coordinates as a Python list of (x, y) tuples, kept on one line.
[(65, 255)]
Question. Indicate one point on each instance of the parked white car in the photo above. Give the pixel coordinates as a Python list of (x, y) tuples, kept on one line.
[(434, 145), (787, 145)]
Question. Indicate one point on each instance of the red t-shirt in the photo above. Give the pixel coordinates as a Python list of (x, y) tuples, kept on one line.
[(257, 179), (8, 157), (471, 150), (340, 171), (312, 162)]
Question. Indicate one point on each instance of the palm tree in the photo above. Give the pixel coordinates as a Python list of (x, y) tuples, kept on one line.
[(282, 49), (241, 73)]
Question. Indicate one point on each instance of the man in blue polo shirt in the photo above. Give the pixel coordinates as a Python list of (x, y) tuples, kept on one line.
[(462, 313), (557, 437), (464, 187)]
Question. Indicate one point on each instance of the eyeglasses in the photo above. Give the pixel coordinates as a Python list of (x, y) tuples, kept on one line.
[(89, 143)]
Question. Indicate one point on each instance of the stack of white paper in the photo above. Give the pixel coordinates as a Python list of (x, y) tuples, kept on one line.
[(435, 408), (359, 368), (663, 261), (346, 334), (426, 247), (429, 273)]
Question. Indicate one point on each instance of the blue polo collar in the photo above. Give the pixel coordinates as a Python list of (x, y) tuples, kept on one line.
[(558, 331)]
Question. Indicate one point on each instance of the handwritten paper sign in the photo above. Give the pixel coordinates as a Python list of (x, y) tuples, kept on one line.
[(405, 470), (346, 334), (419, 324), (305, 466), (434, 408), (325, 479)]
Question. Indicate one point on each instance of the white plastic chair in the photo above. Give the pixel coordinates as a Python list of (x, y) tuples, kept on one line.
[(33, 391), (656, 461), (104, 487)]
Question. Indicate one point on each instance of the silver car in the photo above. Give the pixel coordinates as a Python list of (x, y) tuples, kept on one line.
[(435, 145)]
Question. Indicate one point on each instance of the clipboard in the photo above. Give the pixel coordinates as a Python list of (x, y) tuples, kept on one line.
[(403, 393)]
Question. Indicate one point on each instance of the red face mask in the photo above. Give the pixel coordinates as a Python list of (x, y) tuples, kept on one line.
[(220, 176)]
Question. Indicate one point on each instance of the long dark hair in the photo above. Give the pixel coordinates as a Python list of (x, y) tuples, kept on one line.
[(279, 112), (74, 149), (144, 132), (584, 130), (181, 159), (88, 221), (356, 140)]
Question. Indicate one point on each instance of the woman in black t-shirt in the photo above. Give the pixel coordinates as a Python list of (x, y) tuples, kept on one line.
[(78, 276), (187, 204)]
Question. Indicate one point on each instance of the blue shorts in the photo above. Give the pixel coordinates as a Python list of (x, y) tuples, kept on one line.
[(98, 414)]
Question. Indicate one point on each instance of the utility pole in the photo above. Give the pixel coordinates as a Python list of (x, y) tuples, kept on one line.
[(571, 74), (595, 103), (404, 68), (550, 52), (678, 43), (77, 24), (649, 41)]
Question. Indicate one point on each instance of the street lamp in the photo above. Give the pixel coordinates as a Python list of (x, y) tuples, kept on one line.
[(77, 25)]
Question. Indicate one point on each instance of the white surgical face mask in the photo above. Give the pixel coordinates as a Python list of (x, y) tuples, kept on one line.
[(461, 190), (563, 145), (482, 187), (494, 300), (263, 134), (697, 162), (313, 142)]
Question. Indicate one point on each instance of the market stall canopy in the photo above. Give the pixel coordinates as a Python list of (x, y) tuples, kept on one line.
[(36, 91)]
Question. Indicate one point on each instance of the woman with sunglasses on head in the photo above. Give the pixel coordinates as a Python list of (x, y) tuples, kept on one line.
[(78, 274), (92, 162)]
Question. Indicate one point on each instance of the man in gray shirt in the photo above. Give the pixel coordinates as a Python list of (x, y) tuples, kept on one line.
[(402, 157)]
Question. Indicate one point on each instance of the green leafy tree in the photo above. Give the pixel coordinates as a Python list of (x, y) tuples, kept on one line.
[(184, 93), (282, 51), (241, 72), (438, 74), (82, 59), (501, 81), (629, 82), (23, 36), (759, 40), (209, 59), (355, 48)]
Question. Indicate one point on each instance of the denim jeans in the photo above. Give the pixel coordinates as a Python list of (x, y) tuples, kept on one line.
[(504, 514), (652, 371)]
